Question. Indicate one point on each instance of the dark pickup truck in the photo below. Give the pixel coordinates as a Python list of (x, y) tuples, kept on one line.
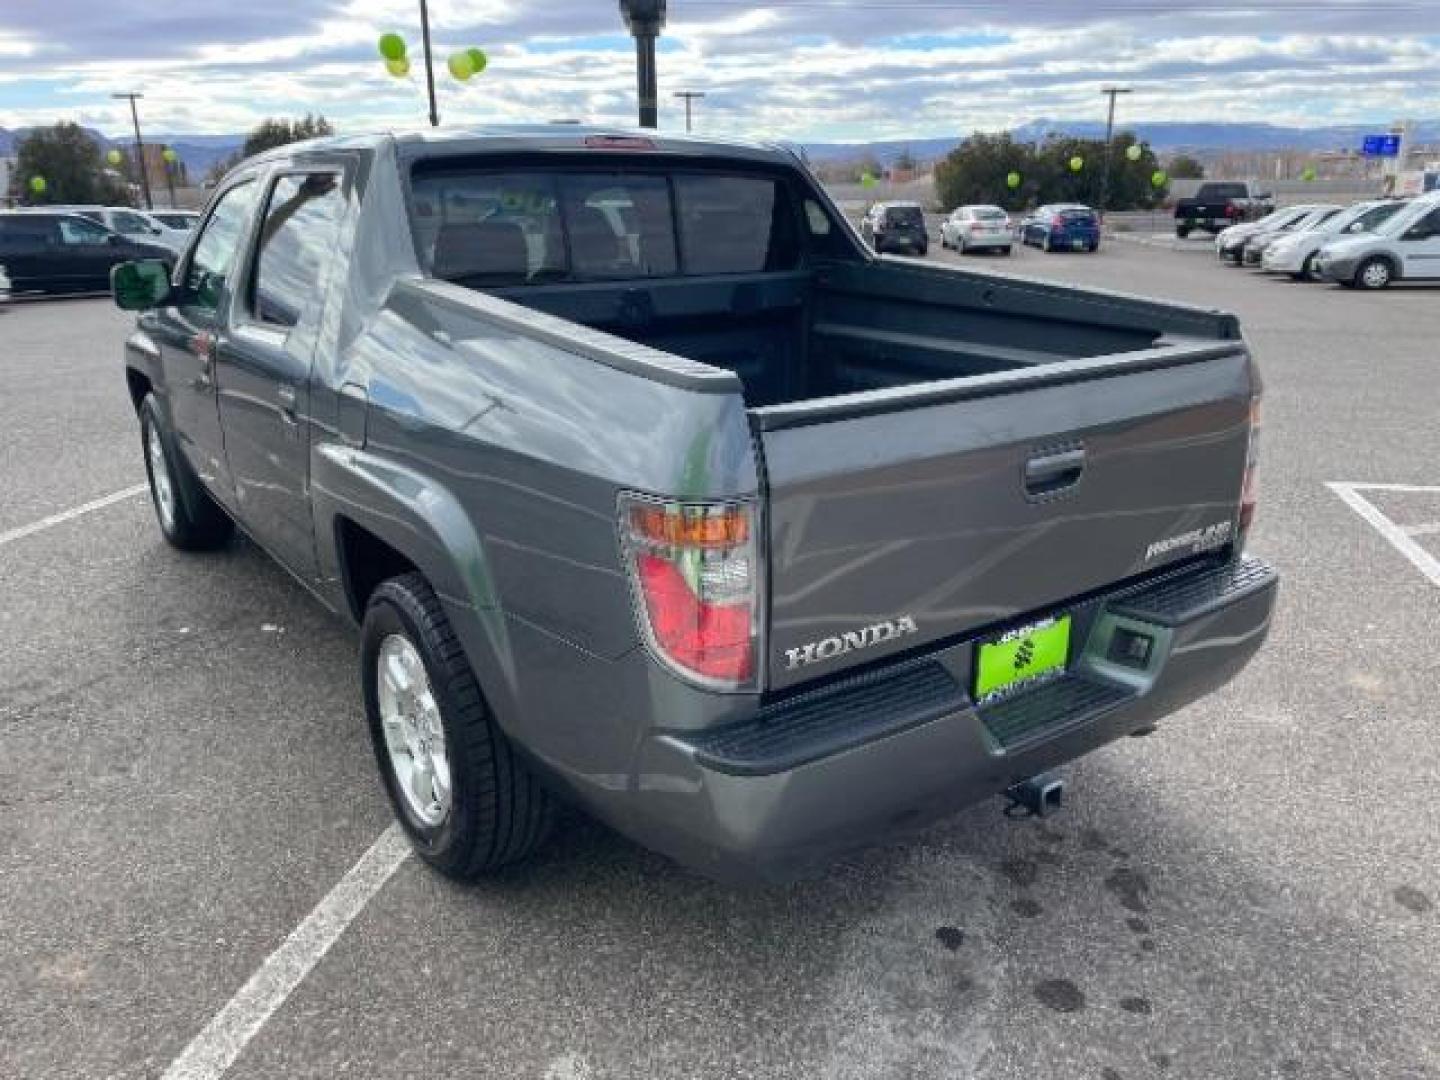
[(652, 489), (1220, 204)]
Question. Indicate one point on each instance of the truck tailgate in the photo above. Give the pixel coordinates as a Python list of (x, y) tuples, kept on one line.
[(902, 517)]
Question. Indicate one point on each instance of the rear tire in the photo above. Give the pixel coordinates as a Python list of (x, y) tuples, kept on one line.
[(1182, 231), (1374, 274), (189, 518), (1307, 269), (494, 812)]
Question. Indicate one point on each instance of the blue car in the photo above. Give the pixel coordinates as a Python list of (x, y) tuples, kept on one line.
[(1062, 227)]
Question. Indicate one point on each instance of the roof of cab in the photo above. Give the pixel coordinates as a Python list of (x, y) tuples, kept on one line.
[(561, 137)]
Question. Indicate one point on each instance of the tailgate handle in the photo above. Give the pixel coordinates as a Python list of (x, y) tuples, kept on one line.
[(1047, 473)]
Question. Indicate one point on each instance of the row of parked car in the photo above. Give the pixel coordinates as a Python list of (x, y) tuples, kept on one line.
[(1365, 245), (900, 227), (72, 248)]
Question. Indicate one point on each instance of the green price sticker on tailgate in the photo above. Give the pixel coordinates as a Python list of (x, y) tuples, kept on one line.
[(1021, 655)]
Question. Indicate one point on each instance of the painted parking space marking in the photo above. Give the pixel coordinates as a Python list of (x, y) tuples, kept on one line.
[(221, 1041), (1401, 537), (74, 512)]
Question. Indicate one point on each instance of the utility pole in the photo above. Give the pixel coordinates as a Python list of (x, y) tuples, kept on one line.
[(139, 148), (689, 96), (1113, 92), (645, 19), (429, 67)]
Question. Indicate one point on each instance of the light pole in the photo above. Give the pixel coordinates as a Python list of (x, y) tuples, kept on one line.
[(429, 67), (689, 96), (645, 19), (139, 148), (1113, 92)]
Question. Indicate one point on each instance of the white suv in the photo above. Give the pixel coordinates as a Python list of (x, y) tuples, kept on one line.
[(1407, 247)]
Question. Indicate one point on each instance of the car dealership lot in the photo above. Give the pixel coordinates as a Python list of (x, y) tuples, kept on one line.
[(1251, 892)]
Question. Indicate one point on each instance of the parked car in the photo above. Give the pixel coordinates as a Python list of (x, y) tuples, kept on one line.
[(134, 224), (1230, 243), (1219, 204), (1405, 248), (1253, 249), (1062, 227), (977, 228), (679, 512), (54, 251), (1294, 252), (896, 226), (181, 220)]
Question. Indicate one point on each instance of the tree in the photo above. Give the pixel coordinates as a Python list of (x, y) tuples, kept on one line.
[(71, 163), (905, 161), (976, 172), (1185, 167), (270, 133), (869, 165)]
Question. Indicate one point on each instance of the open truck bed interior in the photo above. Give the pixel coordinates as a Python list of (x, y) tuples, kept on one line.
[(842, 329)]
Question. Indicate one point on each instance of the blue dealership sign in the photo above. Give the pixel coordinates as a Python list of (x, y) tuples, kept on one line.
[(1381, 146)]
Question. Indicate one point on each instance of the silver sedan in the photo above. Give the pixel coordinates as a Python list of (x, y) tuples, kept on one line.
[(977, 228)]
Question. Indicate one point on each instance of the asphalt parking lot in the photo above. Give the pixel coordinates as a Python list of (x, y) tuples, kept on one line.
[(1252, 892)]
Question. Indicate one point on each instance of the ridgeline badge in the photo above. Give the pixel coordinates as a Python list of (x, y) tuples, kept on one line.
[(1196, 540), (864, 638)]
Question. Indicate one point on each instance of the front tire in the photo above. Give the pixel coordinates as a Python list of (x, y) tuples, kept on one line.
[(461, 791), (1047, 246), (1374, 274), (189, 518), (1182, 231), (1307, 269)]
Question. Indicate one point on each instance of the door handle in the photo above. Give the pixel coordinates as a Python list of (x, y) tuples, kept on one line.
[(286, 395), (1048, 473)]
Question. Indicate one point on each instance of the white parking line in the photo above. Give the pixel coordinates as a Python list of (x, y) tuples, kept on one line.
[(216, 1047), (1401, 539), (69, 515)]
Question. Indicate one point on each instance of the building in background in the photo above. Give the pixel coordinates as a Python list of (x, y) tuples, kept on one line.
[(7, 170)]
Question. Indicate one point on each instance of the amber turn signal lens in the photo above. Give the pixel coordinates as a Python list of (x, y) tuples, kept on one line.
[(695, 528)]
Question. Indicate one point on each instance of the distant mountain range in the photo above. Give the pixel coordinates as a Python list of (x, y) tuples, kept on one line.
[(1164, 136), (199, 152)]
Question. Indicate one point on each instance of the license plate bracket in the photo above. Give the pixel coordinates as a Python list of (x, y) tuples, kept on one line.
[(1021, 657)]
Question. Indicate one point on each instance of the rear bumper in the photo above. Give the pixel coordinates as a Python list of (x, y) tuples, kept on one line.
[(888, 752)]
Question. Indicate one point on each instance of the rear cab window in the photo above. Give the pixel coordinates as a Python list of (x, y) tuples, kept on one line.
[(488, 228)]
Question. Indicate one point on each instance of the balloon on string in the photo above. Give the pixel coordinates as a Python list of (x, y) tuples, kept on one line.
[(478, 60), (1077, 163), (867, 180), (38, 185), (461, 65), (399, 68), (1133, 152), (114, 157), (1158, 178), (1012, 181), (392, 47), (1309, 174), (169, 155)]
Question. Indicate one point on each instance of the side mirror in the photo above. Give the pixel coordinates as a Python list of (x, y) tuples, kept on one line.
[(140, 285)]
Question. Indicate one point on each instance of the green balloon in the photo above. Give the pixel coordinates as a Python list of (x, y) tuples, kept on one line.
[(169, 155), (478, 60), (1158, 178), (114, 157), (461, 66), (399, 68), (866, 180), (1133, 152), (38, 185), (1077, 163), (1012, 181), (1309, 173), (392, 46)]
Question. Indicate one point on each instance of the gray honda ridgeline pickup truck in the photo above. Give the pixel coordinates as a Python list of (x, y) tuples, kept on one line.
[(652, 489)]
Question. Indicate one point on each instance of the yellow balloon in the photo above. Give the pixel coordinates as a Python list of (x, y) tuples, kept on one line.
[(399, 68), (1134, 152), (38, 185), (114, 157), (461, 65)]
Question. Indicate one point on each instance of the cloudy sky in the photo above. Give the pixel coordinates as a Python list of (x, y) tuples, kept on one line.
[(814, 69)]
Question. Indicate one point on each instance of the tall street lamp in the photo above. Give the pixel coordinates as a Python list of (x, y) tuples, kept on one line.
[(1113, 92), (139, 148), (690, 96), (645, 19)]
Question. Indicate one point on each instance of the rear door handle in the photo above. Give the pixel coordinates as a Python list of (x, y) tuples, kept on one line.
[(286, 393), (1046, 473)]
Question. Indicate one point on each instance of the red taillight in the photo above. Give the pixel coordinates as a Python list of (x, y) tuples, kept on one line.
[(693, 568), (1057, 222), (618, 142), (1250, 490)]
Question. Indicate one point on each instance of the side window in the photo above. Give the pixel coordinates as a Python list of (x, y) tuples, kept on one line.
[(1427, 228), (76, 231), (296, 238), (130, 224), (216, 249), (618, 226)]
